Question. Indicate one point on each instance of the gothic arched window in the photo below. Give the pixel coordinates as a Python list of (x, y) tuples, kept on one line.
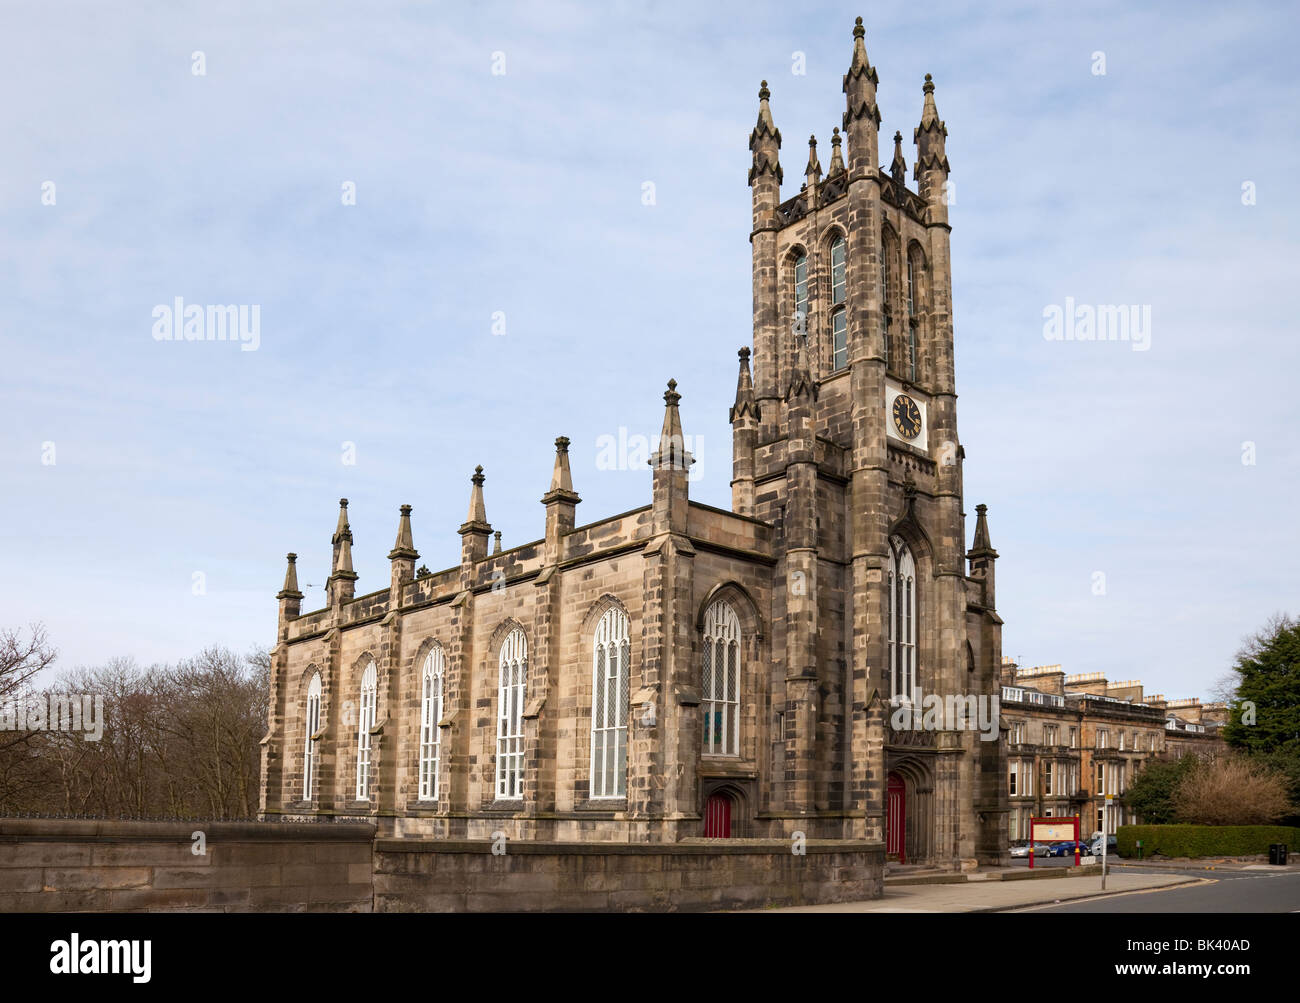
[(839, 317), (915, 265), (365, 723), (510, 709), (430, 714), (309, 741), (900, 584), (800, 293), (721, 679), (884, 298), (609, 686)]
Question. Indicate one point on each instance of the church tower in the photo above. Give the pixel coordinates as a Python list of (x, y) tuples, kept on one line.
[(845, 440)]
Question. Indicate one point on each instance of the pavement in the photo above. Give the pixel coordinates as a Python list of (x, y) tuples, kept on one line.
[(993, 894)]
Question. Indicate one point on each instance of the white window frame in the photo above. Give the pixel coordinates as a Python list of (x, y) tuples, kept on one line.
[(839, 339), (512, 688), (431, 693), (610, 679), (1013, 771), (901, 586), (721, 690), (365, 724), (1047, 780), (884, 296), (801, 289), (312, 723)]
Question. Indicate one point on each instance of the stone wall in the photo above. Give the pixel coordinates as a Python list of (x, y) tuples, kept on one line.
[(465, 876), (67, 865)]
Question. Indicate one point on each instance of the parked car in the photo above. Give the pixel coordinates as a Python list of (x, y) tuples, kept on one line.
[(1112, 845), (1065, 848), (1020, 848)]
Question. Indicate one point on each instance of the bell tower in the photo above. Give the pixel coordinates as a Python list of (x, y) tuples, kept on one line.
[(845, 440)]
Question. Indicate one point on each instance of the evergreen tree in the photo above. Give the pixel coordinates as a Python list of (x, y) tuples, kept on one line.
[(1265, 716)]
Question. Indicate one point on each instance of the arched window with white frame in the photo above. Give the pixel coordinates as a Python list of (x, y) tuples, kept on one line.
[(800, 293), (365, 724), (900, 585), (609, 694), (312, 725), (430, 715), (721, 680), (513, 685), (915, 266), (839, 315)]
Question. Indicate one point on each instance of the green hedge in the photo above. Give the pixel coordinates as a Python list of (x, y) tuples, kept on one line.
[(1204, 840)]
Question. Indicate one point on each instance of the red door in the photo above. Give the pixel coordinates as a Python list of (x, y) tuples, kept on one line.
[(717, 816), (895, 817)]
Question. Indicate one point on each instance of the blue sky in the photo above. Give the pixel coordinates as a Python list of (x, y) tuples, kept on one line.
[(521, 193)]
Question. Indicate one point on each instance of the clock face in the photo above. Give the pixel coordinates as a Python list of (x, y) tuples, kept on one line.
[(907, 417)]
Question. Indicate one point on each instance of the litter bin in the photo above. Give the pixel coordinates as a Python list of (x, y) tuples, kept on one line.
[(1277, 853)]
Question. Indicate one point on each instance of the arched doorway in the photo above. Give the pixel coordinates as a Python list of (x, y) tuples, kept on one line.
[(896, 819), (717, 815)]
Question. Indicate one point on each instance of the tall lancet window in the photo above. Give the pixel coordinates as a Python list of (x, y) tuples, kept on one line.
[(510, 720), (609, 686), (365, 725), (901, 589), (839, 316), (912, 321), (801, 294), (309, 739), (884, 298), (721, 680), (430, 714)]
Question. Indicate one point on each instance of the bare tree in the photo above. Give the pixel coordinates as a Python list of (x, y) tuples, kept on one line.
[(1231, 790)]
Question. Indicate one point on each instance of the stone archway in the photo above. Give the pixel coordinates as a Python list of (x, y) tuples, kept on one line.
[(912, 782)]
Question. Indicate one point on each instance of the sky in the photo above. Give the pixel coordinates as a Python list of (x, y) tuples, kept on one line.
[(500, 280)]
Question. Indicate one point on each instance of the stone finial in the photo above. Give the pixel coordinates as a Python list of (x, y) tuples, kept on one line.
[(404, 548), (899, 167), (981, 544), (496, 542), (814, 169), (931, 155), (477, 510), (745, 405), (860, 65), (672, 443), (345, 553), (290, 589), (765, 141), (837, 159), (561, 489), (343, 520), (801, 383)]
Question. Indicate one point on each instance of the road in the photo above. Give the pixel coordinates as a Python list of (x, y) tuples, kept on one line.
[(1228, 891)]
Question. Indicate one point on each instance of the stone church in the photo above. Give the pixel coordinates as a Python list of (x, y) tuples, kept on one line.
[(679, 671)]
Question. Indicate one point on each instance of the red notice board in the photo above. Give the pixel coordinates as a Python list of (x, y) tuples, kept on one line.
[(1049, 829)]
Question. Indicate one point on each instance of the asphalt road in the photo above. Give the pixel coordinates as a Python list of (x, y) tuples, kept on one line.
[(1229, 891)]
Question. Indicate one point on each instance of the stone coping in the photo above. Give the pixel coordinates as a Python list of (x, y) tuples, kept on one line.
[(110, 830), (701, 847)]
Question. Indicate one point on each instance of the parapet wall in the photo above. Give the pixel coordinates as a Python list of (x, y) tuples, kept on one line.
[(73, 865), (448, 876)]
